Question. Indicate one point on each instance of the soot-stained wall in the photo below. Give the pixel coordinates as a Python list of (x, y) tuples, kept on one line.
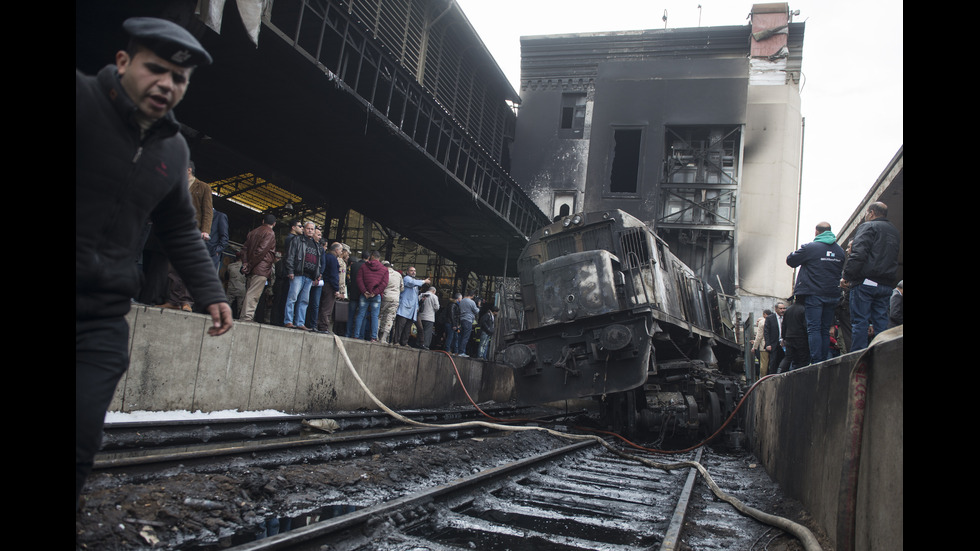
[(650, 96)]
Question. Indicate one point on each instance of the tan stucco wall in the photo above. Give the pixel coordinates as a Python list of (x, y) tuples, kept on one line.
[(769, 199)]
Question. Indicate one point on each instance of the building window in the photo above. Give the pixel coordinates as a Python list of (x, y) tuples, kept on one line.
[(626, 160), (572, 120), (700, 178), (564, 204), (701, 154)]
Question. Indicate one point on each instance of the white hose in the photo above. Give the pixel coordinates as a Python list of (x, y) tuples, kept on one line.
[(801, 532)]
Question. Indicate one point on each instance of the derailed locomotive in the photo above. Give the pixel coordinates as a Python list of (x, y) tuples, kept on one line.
[(611, 313)]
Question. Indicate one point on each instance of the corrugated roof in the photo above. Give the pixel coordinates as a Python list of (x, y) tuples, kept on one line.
[(254, 192)]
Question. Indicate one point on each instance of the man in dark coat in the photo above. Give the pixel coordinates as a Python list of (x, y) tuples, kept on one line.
[(795, 337), (871, 272), (896, 308), (130, 168), (331, 287), (219, 237), (302, 262), (258, 261), (817, 288), (280, 289), (772, 332)]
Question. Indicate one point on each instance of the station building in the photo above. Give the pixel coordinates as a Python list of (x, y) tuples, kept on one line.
[(696, 131)]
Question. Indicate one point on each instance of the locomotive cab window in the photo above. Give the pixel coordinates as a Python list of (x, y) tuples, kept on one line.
[(635, 248)]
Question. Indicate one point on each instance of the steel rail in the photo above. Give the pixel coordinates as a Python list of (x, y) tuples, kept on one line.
[(672, 536), (207, 453), (121, 436), (313, 536)]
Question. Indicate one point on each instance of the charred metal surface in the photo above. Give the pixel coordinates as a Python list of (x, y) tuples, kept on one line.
[(611, 313)]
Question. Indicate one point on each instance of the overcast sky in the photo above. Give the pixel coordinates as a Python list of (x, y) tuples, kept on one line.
[(852, 90)]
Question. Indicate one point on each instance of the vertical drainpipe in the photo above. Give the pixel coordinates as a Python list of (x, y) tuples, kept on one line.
[(799, 199), (799, 194)]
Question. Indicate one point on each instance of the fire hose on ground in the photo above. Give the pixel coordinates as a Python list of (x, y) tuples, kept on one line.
[(799, 531)]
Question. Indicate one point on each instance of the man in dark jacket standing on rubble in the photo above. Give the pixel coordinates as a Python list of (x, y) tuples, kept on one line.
[(130, 168)]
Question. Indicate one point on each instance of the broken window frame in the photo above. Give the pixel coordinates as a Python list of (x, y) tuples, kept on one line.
[(699, 184), (571, 117), (629, 158)]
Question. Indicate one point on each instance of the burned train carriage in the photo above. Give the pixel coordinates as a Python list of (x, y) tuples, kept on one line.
[(610, 313)]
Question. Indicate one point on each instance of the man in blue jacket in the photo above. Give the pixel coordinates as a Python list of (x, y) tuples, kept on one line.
[(408, 307), (468, 311), (821, 262)]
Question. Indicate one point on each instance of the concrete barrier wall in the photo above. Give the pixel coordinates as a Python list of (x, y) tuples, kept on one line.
[(175, 365), (799, 426)]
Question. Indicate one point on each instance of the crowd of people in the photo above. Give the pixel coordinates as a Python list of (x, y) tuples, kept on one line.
[(315, 280), (840, 301)]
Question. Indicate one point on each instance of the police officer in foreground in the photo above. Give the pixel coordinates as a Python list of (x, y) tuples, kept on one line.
[(130, 168)]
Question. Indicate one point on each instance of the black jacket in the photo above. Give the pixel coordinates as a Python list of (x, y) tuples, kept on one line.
[(770, 331), (219, 234), (794, 322), (303, 257), (488, 322), (454, 314), (121, 181), (874, 254)]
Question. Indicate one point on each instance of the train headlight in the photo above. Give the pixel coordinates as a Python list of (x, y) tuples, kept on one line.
[(577, 219), (615, 337), (566, 222), (518, 355)]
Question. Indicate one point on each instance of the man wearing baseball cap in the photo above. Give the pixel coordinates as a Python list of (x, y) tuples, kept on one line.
[(130, 169)]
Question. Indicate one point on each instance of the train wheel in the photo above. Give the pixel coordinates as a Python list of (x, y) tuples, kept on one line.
[(714, 413), (629, 415), (619, 413)]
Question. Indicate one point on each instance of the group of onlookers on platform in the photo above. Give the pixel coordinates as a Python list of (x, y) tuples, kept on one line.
[(315, 286), (841, 299)]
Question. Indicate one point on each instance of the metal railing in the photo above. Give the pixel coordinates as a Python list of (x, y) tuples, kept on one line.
[(324, 31)]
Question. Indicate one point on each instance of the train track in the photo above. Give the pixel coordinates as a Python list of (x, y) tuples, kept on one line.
[(578, 497), (575, 497), (129, 436), (153, 447)]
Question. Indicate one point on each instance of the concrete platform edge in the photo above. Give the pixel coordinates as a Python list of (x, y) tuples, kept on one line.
[(798, 426), (175, 365)]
